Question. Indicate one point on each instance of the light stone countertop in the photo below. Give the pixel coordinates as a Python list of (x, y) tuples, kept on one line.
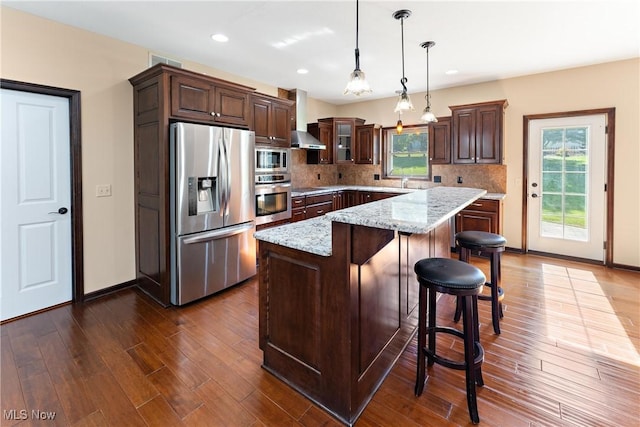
[(418, 211), (295, 192), (325, 189)]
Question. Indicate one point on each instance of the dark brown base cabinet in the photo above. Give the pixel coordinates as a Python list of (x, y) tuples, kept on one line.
[(333, 327), (481, 215), (306, 207), (162, 94)]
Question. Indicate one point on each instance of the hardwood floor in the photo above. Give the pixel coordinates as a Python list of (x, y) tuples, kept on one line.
[(568, 355)]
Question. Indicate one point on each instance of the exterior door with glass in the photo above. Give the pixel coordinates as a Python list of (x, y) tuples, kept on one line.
[(566, 186)]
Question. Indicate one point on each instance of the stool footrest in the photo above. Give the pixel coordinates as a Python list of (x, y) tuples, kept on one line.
[(488, 297), (453, 364)]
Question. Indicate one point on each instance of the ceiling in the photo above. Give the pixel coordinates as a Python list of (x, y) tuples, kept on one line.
[(270, 40)]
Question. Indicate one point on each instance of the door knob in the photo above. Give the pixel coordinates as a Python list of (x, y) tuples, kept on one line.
[(534, 195), (535, 184), (61, 211)]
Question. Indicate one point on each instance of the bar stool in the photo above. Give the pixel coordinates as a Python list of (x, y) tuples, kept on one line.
[(464, 281), (493, 245)]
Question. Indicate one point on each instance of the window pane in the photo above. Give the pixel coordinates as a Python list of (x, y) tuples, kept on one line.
[(576, 160), (551, 162), (552, 182), (575, 183), (407, 153)]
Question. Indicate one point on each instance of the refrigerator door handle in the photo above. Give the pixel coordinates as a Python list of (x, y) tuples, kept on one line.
[(219, 234), (228, 172), (222, 194), (224, 172)]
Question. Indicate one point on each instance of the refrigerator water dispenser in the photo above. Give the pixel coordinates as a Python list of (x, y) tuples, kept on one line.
[(202, 195)]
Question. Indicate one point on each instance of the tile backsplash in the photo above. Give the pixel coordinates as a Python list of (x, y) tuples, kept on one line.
[(492, 178)]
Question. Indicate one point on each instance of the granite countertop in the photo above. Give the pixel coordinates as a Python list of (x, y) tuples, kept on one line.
[(494, 196), (295, 192), (418, 211), (310, 191)]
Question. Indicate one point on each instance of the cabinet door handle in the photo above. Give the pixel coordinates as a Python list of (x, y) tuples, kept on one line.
[(214, 114), (476, 204)]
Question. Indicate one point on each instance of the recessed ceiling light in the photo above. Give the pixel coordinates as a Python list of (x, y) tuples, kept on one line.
[(220, 38), (303, 71), (451, 72)]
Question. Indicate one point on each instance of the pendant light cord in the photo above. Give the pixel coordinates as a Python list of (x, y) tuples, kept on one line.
[(357, 49), (403, 80), (428, 94)]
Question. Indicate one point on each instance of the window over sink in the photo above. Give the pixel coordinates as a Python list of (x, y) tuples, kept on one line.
[(406, 155)]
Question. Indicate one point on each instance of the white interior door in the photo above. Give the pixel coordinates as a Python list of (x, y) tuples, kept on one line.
[(35, 205), (566, 186)]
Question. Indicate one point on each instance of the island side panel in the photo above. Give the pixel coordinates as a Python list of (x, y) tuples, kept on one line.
[(304, 322)]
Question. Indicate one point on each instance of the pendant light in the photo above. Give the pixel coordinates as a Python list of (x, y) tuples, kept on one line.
[(404, 102), (399, 125), (427, 115), (357, 82)]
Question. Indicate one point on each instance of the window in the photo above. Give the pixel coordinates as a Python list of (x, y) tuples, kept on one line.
[(407, 154)]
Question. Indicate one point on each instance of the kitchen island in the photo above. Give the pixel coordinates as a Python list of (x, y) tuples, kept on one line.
[(338, 295)]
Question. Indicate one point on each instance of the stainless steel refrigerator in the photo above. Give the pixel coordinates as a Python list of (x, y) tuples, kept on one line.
[(212, 209)]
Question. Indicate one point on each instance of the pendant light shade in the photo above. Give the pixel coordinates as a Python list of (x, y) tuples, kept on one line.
[(404, 102), (357, 84), (427, 115)]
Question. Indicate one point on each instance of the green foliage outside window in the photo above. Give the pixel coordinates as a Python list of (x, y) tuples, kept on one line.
[(408, 153)]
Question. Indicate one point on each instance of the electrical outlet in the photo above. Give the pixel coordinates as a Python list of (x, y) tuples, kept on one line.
[(339, 175), (437, 178), (376, 177), (318, 176), (103, 190), (459, 180)]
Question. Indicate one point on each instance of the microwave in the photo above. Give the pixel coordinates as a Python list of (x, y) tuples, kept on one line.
[(272, 160)]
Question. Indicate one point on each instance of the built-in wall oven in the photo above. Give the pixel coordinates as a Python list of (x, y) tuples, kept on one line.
[(273, 185)]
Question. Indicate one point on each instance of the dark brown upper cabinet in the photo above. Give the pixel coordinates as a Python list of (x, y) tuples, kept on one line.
[(340, 145), (207, 100), (440, 141), (271, 120), (367, 144), (477, 132), (323, 132)]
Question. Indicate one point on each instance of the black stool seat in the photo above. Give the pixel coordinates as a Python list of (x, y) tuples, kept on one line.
[(493, 245), (478, 240), (465, 281), (449, 274)]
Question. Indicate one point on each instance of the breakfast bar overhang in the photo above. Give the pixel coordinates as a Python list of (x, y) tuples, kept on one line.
[(338, 295)]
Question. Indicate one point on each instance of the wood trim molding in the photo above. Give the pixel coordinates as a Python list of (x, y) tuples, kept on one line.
[(77, 257), (110, 290), (610, 166)]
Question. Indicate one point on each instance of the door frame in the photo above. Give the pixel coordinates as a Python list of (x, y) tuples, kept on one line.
[(610, 131), (77, 258)]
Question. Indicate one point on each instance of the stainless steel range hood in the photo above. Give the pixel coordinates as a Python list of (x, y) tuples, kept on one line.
[(300, 138)]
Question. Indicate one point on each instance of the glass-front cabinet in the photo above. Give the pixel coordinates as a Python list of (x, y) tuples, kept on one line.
[(343, 140)]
